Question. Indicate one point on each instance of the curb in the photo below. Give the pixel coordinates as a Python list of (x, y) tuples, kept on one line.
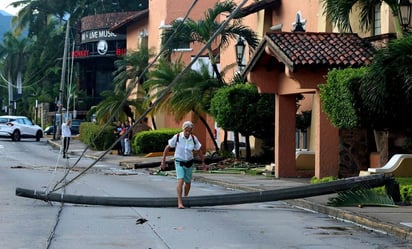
[(336, 213), (339, 214)]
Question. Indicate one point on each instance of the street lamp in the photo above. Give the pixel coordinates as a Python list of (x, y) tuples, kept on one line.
[(404, 12), (240, 52)]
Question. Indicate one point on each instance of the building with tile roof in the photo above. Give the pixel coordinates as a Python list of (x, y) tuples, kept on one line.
[(298, 47)]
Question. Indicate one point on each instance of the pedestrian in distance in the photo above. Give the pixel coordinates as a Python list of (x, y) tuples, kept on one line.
[(128, 139), (116, 132), (121, 132), (184, 143), (66, 134)]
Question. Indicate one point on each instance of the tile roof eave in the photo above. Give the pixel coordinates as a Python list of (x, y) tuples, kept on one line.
[(125, 22), (293, 49), (260, 49), (280, 54)]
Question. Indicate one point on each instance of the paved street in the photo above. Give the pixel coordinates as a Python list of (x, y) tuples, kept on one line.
[(387, 220)]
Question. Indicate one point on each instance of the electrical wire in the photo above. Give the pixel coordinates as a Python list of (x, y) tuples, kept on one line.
[(164, 94), (129, 90)]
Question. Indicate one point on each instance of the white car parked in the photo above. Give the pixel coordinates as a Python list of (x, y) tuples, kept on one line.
[(17, 127)]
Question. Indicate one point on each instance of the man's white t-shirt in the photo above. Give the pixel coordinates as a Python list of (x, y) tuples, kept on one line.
[(185, 147), (66, 132)]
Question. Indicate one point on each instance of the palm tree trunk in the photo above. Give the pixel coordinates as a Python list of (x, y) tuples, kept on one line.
[(10, 92), (248, 151), (382, 145), (212, 136), (154, 123), (216, 70)]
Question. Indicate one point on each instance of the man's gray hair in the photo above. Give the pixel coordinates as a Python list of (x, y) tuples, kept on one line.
[(187, 124)]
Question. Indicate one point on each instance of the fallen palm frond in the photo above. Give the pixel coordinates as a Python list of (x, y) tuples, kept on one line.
[(361, 197)]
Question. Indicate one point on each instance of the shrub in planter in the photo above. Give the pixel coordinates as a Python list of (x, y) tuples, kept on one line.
[(96, 137), (152, 141)]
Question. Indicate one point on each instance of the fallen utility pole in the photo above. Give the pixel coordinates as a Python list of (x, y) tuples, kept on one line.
[(215, 200)]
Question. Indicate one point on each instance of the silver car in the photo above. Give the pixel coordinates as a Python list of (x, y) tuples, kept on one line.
[(17, 127)]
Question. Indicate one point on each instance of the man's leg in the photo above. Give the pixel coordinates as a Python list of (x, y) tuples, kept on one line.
[(66, 142), (187, 180), (127, 147), (64, 146), (179, 189), (122, 145), (187, 188)]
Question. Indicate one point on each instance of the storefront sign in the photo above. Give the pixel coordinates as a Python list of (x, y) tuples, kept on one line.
[(102, 34)]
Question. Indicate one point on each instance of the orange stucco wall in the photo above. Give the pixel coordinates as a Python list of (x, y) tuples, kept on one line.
[(279, 80), (163, 13)]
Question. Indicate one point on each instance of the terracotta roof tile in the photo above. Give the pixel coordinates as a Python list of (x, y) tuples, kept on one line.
[(334, 49), (133, 17)]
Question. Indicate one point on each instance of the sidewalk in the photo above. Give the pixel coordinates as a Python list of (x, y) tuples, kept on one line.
[(394, 221)]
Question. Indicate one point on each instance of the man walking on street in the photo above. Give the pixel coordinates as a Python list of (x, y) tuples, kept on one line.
[(66, 134), (184, 143)]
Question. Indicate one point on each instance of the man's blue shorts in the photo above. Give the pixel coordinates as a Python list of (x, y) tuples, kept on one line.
[(183, 172)]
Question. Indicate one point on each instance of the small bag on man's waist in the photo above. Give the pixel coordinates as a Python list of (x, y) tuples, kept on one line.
[(187, 164)]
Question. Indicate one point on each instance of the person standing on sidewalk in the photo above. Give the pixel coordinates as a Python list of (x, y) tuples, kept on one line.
[(66, 134), (121, 132), (128, 139), (184, 143)]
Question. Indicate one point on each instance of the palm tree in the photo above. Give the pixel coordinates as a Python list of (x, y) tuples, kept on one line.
[(126, 78), (159, 78), (35, 15), (339, 13), (192, 93), (202, 30), (14, 51), (115, 107)]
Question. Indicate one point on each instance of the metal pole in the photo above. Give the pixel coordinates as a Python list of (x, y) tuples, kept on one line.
[(63, 76), (215, 200), (36, 106)]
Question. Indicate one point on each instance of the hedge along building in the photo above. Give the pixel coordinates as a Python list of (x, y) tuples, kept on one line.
[(291, 63)]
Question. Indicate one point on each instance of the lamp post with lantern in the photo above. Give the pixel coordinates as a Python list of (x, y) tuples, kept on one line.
[(404, 12), (240, 52)]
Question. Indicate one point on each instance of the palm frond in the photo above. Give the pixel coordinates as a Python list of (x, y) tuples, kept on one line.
[(339, 12), (360, 197)]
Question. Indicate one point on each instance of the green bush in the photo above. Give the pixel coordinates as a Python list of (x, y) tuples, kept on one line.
[(315, 180), (152, 141), (339, 99), (96, 137), (405, 187)]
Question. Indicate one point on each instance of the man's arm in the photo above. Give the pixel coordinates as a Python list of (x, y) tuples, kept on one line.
[(165, 153), (202, 158)]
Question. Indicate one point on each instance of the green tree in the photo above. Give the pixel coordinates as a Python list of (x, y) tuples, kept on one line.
[(339, 13), (14, 51), (340, 97), (376, 97), (386, 88), (241, 108)]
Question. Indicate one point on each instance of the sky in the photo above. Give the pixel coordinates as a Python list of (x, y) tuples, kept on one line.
[(5, 3)]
